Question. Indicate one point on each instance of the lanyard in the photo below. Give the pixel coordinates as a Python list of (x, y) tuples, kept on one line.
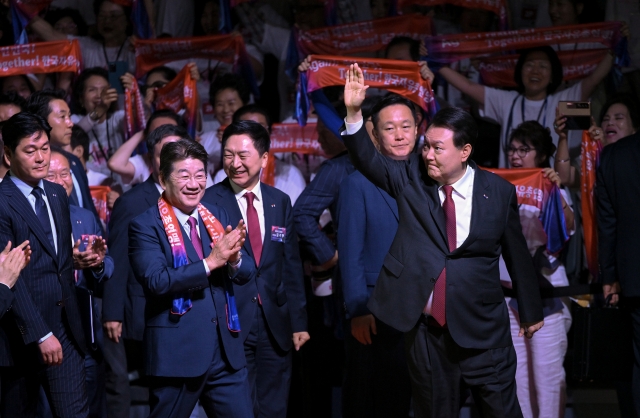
[(104, 51), (505, 140)]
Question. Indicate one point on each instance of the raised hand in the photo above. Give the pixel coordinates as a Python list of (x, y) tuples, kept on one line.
[(354, 93)]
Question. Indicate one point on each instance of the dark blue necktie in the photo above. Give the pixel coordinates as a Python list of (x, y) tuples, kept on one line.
[(43, 214)]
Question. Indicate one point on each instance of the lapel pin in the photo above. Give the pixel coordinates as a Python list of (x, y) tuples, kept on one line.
[(273, 206), (55, 195), (485, 196)]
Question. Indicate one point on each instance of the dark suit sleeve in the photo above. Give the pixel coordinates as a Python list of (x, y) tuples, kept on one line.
[(292, 274), (607, 221), (149, 264), (6, 299), (520, 265), (25, 309), (115, 289), (352, 228), (315, 198), (388, 174)]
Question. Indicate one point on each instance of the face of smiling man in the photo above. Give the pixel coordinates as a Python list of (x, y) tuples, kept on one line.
[(396, 131), (242, 162), (185, 186)]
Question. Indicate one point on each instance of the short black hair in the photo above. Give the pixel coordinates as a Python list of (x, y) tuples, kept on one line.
[(230, 81), (39, 101), (252, 108), (168, 73), (24, 77), (78, 89), (165, 113), (79, 138), (259, 136), (627, 100), (556, 67), (54, 15), (23, 125), (180, 150), (536, 136), (460, 122), (97, 4), (13, 98), (414, 46), (391, 100), (164, 131)]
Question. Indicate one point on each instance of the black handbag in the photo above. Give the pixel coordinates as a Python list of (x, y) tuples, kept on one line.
[(602, 343)]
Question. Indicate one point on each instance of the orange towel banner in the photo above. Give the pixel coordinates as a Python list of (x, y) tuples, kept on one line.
[(41, 57), (496, 6), (181, 94), (99, 194), (590, 152)]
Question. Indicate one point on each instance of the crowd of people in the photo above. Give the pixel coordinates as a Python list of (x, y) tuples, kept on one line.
[(393, 260)]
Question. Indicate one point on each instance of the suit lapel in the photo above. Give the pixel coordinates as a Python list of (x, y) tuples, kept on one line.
[(390, 201), (23, 208), (204, 237), (270, 207), (478, 207), (230, 203), (436, 211)]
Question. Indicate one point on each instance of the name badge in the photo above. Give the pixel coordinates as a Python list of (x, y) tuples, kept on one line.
[(278, 233)]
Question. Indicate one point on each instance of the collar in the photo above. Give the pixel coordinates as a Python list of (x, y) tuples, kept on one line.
[(463, 187), (24, 187), (184, 217), (239, 192), (160, 189)]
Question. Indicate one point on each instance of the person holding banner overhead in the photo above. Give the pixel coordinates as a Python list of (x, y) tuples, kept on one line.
[(186, 256), (538, 74), (540, 375), (440, 281)]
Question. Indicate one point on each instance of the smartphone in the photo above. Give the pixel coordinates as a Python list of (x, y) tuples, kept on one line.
[(578, 114), (116, 70)]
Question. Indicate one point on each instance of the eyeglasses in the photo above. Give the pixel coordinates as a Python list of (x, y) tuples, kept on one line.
[(522, 151), (183, 179)]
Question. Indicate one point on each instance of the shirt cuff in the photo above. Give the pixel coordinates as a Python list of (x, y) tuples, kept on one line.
[(234, 269), (43, 339), (6, 285), (206, 267), (352, 128)]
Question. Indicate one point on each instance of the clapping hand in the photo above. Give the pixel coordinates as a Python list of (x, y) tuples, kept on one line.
[(227, 247)]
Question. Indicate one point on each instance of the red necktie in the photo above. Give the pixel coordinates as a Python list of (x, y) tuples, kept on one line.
[(438, 305), (195, 238), (253, 223)]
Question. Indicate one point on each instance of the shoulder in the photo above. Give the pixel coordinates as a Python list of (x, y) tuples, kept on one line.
[(274, 193), (148, 217), (218, 189), (354, 181), (217, 211), (493, 179), (623, 150)]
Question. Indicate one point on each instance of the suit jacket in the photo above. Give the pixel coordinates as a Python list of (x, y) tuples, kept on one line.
[(46, 285), (279, 280), (618, 197), (320, 194), (183, 346), (84, 223), (81, 176), (6, 299), (123, 298), (476, 312), (367, 224)]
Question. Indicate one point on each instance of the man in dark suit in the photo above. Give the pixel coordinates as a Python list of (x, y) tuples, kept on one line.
[(271, 307), (50, 105), (123, 298), (42, 340), (440, 281), (193, 350), (618, 197), (93, 265), (376, 380)]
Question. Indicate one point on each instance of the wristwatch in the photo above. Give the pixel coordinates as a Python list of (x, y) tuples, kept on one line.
[(235, 263)]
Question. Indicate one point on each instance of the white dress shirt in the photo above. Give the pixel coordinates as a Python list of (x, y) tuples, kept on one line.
[(257, 203)]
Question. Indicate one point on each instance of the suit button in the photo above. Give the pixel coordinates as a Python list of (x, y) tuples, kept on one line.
[(254, 299), (432, 280), (213, 320), (59, 303), (258, 275)]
